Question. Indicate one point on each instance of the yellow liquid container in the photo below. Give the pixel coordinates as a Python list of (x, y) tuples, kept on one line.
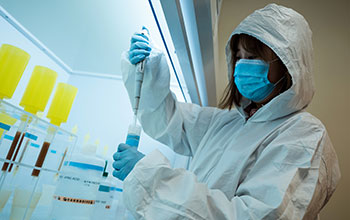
[(13, 62), (38, 90), (62, 103)]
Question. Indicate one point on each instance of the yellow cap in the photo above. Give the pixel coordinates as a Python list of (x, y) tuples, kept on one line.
[(13, 62), (61, 103), (38, 90)]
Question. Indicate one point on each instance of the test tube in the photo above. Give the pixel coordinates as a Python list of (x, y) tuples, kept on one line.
[(44, 149), (24, 203), (13, 62), (134, 131), (17, 141), (74, 131), (58, 113), (25, 147)]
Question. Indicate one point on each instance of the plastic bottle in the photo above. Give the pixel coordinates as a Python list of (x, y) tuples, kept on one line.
[(77, 187), (118, 209), (104, 199)]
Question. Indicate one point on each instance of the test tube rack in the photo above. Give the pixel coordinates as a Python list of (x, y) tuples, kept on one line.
[(27, 169)]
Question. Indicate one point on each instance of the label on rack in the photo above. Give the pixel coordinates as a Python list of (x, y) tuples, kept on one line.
[(8, 137), (34, 145), (5, 126), (31, 136)]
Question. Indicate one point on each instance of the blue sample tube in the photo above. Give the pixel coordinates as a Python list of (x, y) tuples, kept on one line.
[(133, 137)]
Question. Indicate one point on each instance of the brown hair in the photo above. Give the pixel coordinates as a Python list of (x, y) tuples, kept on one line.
[(254, 46)]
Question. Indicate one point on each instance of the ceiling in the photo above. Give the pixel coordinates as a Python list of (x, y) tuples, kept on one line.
[(87, 35)]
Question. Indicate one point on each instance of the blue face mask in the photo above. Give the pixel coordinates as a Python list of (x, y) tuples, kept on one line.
[(251, 79)]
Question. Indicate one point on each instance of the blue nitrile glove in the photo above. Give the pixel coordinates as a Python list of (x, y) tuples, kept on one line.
[(124, 160), (140, 47)]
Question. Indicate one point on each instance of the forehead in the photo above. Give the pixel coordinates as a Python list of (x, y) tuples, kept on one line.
[(250, 45)]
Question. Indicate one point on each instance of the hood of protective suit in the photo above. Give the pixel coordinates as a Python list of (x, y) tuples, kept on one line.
[(288, 34)]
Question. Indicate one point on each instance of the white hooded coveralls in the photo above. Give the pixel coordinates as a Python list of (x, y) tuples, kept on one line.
[(278, 164)]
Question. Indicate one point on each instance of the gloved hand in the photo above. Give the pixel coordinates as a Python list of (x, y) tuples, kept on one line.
[(124, 160), (140, 47)]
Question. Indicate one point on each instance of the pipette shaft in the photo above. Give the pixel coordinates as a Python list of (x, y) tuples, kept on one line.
[(139, 80), (138, 85)]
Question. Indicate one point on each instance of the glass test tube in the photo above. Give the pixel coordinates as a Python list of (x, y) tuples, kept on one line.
[(43, 152), (134, 131), (16, 143)]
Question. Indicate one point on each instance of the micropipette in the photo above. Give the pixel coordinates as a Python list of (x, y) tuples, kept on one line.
[(139, 80), (134, 130)]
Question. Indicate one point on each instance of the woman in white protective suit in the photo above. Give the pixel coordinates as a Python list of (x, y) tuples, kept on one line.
[(267, 158)]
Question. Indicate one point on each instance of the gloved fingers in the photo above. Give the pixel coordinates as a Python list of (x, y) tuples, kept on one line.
[(139, 37), (118, 174), (119, 156), (124, 155), (135, 52), (140, 45), (118, 164), (142, 35), (123, 147), (116, 156), (136, 59)]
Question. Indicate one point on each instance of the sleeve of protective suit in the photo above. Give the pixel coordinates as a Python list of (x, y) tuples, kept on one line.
[(180, 126), (280, 184)]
